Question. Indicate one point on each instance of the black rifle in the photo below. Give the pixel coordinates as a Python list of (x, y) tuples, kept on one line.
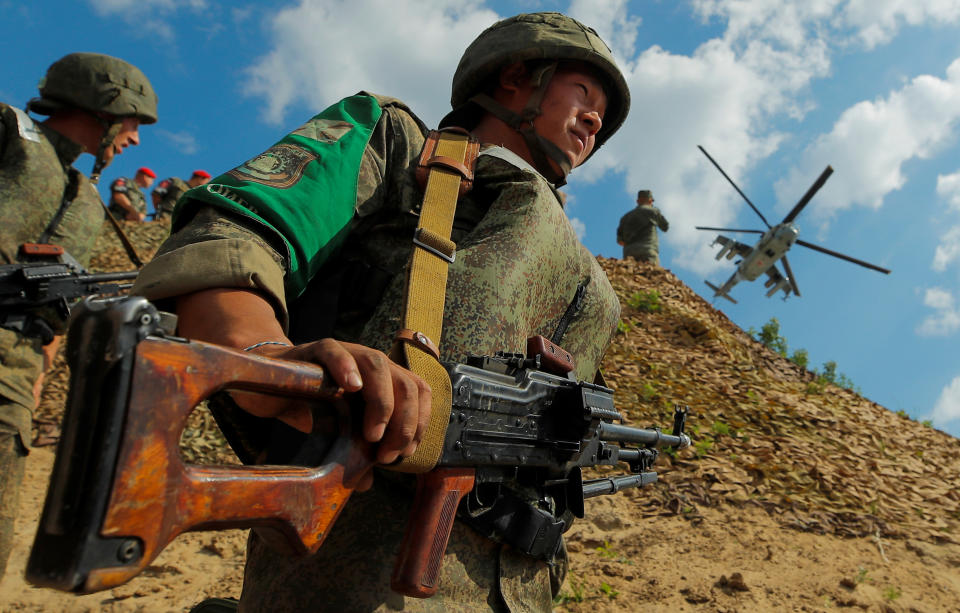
[(120, 492), (26, 287)]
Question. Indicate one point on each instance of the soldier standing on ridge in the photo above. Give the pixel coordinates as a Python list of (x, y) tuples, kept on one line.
[(637, 232), (95, 104), (301, 254), (126, 198), (168, 191)]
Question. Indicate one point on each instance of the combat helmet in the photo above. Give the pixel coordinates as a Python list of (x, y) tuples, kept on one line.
[(97, 83), (524, 38), (104, 86)]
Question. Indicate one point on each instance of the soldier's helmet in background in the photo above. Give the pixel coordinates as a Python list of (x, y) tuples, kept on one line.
[(535, 36), (96, 83)]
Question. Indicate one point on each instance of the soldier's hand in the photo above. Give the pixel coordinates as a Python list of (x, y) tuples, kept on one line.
[(396, 401)]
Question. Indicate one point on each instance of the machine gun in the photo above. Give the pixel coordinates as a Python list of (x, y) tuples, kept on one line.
[(120, 492), (51, 279)]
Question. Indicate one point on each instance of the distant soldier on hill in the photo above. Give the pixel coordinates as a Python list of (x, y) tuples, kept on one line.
[(168, 191), (637, 232), (95, 105), (126, 196)]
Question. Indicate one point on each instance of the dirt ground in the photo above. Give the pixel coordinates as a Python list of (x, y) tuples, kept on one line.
[(721, 559)]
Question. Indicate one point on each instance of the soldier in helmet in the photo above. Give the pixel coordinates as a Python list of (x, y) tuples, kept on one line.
[(637, 232), (301, 253), (126, 195), (94, 104), (168, 191)]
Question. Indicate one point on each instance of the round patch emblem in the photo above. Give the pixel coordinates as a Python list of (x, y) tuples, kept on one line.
[(281, 166)]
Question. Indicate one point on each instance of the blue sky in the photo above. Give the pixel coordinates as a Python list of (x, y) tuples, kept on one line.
[(774, 90)]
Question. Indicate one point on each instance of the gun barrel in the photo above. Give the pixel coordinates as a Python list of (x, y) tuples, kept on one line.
[(104, 277), (654, 438), (612, 485)]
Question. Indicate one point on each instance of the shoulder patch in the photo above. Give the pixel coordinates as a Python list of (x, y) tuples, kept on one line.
[(324, 130), (280, 166), (26, 127)]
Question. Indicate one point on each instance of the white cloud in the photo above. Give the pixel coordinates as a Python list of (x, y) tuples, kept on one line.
[(138, 7), (947, 408), (579, 227), (948, 188), (147, 16), (946, 320), (871, 141), (878, 21), (184, 142), (948, 250), (326, 49)]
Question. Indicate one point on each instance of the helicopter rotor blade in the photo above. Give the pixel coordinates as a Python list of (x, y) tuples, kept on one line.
[(809, 195), (790, 277), (728, 230), (842, 257), (744, 196)]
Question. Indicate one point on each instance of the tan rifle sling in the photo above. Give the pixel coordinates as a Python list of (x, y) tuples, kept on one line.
[(446, 169)]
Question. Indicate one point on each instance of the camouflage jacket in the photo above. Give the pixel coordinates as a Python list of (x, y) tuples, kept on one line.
[(517, 268), (35, 169), (130, 189), (638, 230), (168, 192)]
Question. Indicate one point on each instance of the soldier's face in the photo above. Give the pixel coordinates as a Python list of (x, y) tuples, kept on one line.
[(572, 111), (129, 135)]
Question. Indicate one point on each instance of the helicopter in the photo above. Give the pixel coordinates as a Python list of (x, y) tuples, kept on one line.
[(772, 247)]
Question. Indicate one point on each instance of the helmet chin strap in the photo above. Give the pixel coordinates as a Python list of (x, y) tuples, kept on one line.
[(112, 128), (541, 150)]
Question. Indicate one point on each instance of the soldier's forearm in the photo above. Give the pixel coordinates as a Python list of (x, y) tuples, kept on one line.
[(232, 317)]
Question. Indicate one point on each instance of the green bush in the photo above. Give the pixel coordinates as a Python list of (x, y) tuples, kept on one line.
[(648, 302)]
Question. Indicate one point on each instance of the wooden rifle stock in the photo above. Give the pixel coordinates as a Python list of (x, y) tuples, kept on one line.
[(154, 495)]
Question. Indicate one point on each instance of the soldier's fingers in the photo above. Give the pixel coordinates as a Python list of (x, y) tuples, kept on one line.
[(404, 420), (336, 357), (424, 397)]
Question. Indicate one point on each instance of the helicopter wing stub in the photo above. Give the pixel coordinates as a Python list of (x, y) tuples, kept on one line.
[(732, 248), (776, 282), (843, 257)]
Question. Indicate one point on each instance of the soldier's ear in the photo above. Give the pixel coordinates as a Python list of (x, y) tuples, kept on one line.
[(514, 76)]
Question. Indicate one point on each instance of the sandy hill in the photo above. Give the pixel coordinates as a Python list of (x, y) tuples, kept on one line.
[(798, 495)]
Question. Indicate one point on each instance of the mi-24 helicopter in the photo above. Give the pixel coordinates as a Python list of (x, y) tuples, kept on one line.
[(772, 246)]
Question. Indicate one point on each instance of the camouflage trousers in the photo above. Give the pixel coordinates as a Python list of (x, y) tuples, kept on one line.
[(642, 255), (12, 464), (351, 572)]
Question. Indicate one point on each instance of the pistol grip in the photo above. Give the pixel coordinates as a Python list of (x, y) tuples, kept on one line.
[(417, 569)]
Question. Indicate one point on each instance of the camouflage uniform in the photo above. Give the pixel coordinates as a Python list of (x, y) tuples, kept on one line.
[(169, 191), (130, 189), (638, 233), (35, 168), (35, 174), (517, 269), (497, 295)]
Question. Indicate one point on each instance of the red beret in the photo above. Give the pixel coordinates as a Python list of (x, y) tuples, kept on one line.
[(201, 173), (147, 172)]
